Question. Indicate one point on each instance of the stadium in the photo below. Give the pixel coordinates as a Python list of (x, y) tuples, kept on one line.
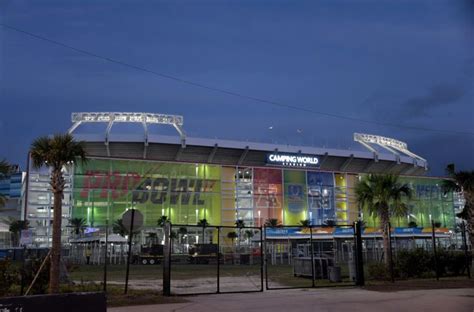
[(188, 179)]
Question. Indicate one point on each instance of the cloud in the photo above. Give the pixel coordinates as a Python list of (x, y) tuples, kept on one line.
[(456, 149), (438, 96)]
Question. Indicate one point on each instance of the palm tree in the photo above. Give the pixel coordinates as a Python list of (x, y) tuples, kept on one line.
[(5, 170), (161, 223), (249, 234), (56, 152), (272, 223), (182, 231), (15, 227), (382, 195), (203, 223), (162, 220), (305, 223), (232, 236), (78, 225), (240, 224), (329, 223), (120, 229), (463, 182)]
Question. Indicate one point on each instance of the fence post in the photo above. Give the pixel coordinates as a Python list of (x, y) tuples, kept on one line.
[(218, 258), (392, 277), (434, 249), (312, 254), (167, 259), (466, 253), (105, 253), (261, 259), (129, 250), (264, 255), (360, 280)]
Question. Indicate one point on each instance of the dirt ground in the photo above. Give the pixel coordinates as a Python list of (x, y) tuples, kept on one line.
[(197, 285)]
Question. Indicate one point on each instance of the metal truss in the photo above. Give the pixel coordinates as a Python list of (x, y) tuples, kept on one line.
[(392, 145), (144, 118)]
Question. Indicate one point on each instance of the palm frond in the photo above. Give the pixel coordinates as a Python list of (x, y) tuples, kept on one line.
[(56, 151), (5, 168)]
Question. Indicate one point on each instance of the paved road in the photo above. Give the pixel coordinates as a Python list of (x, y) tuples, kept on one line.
[(348, 299)]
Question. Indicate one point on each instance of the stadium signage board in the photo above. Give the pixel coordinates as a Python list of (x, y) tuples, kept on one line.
[(292, 160)]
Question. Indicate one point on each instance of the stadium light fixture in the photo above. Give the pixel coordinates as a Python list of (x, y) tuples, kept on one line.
[(143, 118), (392, 145)]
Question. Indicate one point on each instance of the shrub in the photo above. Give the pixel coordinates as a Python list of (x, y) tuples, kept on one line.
[(455, 263), (378, 271), (29, 271), (8, 277), (414, 263), (421, 263)]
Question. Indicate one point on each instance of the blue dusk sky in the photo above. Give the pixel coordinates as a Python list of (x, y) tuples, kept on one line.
[(407, 66)]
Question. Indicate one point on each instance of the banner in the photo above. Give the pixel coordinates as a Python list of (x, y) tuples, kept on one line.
[(295, 197), (185, 193), (267, 190), (320, 197)]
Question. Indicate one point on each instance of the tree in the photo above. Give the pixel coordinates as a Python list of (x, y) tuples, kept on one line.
[(78, 225), (249, 234), (240, 224), (56, 152), (182, 231), (305, 223), (161, 223), (272, 223), (383, 196), (5, 171), (232, 236), (463, 182), (15, 227), (162, 220), (120, 229), (329, 223), (204, 224)]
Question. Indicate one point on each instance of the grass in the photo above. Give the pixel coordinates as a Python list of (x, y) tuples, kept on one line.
[(116, 273), (278, 275), (282, 276)]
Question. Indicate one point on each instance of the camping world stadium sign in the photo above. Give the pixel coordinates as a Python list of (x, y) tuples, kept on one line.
[(292, 160)]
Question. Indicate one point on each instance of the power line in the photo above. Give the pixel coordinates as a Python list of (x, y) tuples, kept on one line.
[(228, 92)]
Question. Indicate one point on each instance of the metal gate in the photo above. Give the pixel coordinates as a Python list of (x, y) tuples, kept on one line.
[(311, 256), (206, 259)]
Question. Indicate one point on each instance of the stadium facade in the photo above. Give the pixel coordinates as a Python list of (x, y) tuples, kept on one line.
[(188, 179), (12, 188)]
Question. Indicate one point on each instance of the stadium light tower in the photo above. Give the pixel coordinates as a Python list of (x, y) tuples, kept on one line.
[(392, 145), (143, 118)]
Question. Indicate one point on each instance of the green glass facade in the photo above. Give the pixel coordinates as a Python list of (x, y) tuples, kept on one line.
[(104, 188)]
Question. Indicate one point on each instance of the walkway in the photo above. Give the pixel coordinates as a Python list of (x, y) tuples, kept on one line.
[(348, 299)]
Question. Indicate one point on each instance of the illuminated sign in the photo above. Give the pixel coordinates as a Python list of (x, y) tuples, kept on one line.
[(128, 117), (292, 160), (184, 191)]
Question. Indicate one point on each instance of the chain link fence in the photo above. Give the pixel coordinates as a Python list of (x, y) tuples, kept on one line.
[(312, 256)]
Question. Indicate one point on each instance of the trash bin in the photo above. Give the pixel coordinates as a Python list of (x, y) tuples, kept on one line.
[(334, 274)]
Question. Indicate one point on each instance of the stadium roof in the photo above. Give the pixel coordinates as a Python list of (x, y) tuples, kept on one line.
[(242, 153)]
